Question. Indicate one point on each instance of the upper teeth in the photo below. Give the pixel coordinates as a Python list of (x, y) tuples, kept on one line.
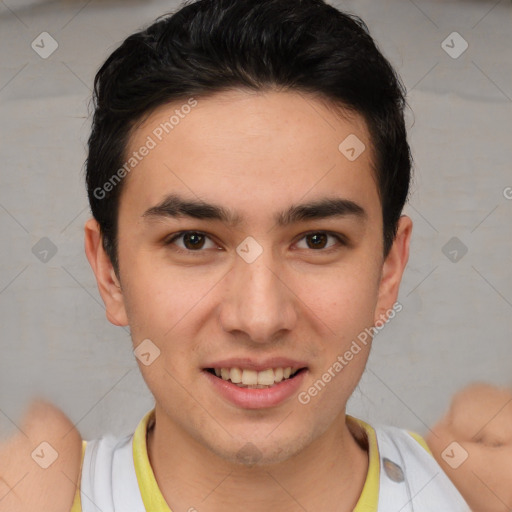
[(252, 377)]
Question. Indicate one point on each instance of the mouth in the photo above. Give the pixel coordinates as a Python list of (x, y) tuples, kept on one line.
[(253, 379)]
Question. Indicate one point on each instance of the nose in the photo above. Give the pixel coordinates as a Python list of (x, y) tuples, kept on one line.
[(258, 301)]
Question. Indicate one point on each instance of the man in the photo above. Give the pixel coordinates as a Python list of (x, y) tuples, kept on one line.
[(247, 170)]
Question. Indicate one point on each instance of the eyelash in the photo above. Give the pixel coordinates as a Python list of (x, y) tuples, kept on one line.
[(342, 241)]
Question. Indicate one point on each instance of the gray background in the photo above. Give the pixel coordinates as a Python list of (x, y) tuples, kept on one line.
[(456, 320)]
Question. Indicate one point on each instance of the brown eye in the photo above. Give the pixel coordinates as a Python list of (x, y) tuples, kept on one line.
[(191, 241), (316, 240), (320, 240)]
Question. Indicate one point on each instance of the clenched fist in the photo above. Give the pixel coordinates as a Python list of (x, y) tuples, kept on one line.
[(39, 466), (479, 463)]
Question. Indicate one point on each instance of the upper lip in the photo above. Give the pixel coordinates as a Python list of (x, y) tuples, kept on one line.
[(248, 363)]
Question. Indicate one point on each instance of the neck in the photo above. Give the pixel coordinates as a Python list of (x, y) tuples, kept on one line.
[(327, 475)]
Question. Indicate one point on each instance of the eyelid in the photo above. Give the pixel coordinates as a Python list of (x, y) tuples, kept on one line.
[(342, 240), (172, 238)]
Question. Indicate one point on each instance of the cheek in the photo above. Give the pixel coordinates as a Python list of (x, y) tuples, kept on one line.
[(158, 297), (344, 299)]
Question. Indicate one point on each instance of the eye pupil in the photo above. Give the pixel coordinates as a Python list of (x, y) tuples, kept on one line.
[(318, 240), (193, 240)]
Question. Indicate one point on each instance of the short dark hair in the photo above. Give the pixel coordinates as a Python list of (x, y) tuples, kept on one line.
[(210, 46)]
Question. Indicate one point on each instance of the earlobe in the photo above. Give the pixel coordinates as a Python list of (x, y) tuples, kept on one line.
[(108, 283), (393, 269)]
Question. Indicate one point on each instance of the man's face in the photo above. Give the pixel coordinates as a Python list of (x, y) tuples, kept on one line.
[(267, 286)]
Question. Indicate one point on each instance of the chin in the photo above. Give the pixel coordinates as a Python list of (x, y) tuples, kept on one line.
[(261, 451)]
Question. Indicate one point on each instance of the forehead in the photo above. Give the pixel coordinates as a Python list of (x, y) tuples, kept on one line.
[(250, 148)]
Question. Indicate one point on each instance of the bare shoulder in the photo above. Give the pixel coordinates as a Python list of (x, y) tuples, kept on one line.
[(40, 465)]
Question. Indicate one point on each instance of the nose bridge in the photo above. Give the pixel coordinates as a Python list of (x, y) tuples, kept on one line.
[(258, 304)]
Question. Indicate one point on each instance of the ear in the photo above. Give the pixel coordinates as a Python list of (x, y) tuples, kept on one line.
[(393, 269), (108, 284)]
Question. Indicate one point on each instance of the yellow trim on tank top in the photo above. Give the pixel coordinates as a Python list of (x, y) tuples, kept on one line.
[(154, 501), (77, 503)]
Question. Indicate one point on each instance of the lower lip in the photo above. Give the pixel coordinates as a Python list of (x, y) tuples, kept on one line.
[(251, 398)]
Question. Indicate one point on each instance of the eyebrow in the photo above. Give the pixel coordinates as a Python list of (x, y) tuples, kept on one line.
[(175, 206)]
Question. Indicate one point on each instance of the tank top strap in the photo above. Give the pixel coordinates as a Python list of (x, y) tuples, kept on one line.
[(109, 482), (410, 478)]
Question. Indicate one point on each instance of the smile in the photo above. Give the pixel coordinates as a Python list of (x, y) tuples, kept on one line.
[(248, 378), (260, 388)]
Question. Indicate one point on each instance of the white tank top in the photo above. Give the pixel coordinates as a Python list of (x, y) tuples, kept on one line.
[(109, 482), (411, 480)]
